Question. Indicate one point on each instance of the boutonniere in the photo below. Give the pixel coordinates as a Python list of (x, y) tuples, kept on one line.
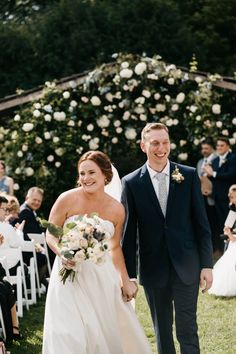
[(177, 176)]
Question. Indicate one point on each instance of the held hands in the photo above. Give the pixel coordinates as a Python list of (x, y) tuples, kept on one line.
[(129, 290), (206, 279)]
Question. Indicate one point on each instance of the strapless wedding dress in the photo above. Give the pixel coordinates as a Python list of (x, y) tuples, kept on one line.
[(88, 315)]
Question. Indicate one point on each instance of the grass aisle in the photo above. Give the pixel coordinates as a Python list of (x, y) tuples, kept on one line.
[(216, 319)]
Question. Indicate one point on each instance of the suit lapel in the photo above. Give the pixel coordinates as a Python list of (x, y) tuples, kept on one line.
[(171, 189), (145, 180)]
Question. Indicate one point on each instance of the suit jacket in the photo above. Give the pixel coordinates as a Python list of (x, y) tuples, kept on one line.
[(32, 225), (225, 177), (183, 236)]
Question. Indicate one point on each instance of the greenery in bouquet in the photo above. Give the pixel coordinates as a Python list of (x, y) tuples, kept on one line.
[(84, 238), (107, 112)]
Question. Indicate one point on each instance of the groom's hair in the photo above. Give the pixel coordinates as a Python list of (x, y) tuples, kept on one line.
[(102, 160), (153, 126)]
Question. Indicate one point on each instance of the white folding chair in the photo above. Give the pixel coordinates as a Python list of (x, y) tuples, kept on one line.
[(28, 246), (41, 239), (19, 281)]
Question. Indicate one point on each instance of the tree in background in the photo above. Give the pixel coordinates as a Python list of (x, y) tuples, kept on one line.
[(44, 40)]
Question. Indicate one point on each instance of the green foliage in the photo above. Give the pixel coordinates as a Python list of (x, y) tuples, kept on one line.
[(108, 112), (44, 40)]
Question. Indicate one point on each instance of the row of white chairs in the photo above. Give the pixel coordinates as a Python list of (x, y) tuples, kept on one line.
[(27, 296)]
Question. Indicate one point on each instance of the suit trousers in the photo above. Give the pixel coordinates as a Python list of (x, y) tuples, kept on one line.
[(181, 298)]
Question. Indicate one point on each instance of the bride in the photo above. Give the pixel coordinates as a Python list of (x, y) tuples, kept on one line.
[(92, 315)]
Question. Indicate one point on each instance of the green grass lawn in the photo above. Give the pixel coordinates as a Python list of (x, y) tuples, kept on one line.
[(216, 319)]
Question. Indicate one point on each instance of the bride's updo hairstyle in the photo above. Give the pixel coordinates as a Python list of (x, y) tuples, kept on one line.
[(102, 160)]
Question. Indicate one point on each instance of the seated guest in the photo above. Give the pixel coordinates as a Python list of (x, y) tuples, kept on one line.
[(13, 210), (6, 183), (33, 201), (10, 237), (8, 305)]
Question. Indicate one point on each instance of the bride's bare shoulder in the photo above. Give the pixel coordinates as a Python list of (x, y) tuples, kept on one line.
[(116, 208), (69, 195)]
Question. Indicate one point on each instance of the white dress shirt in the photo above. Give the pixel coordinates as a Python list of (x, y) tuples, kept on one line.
[(12, 239), (155, 181)]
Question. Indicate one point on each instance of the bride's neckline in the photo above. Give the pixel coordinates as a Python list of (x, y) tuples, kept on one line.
[(75, 215)]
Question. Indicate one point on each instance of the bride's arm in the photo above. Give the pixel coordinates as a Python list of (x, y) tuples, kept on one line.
[(57, 217), (129, 287)]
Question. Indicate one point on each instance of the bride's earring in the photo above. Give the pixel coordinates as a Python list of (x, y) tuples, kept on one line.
[(105, 181)]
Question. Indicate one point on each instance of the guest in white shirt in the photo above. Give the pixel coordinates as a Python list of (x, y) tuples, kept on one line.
[(10, 237)]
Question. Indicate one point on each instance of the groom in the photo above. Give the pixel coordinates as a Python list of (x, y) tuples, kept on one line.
[(167, 223)]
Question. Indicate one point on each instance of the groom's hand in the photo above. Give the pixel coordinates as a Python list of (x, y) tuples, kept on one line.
[(129, 290), (206, 279)]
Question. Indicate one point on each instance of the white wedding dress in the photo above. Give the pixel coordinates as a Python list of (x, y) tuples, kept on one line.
[(224, 273), (89, 316)]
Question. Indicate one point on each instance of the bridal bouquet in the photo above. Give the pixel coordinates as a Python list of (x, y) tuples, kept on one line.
[(84, 238)]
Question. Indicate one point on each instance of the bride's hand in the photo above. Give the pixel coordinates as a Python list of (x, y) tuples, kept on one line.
[(129, 290), (67, 263)]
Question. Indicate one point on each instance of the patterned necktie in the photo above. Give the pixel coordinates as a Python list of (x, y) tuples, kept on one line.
[(162, 191)]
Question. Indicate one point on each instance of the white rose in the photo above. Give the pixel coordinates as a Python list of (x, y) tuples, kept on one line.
[(66, 94), (196, 142), (234, 135), (36, 113), (103, 121), (198, 79), (16, 186), (175, 107), (140, 68), (47, 135), (38, 140), (198, 118), (175, 121), (117, 123), (193, 108), (59, 116), (93, 144), (216, 109), (24, 147), (119, 130), (114, 140), (232, 141), (37, 105), (183, 156), (130, 133), (17, 118), (90, 127), (73, 103), (50, 158), (95, 100), (18, 171), (57, 164), (55, 139), (140, 100), (234, 121), (160, 107), (180, 97), (157, 96), (167, 98), (47, 118), (225, 132), (14, 135), (171, 81), (169, 122), (71, 123), (143, 117), (146, 93), (109, 97), (182, 142), (84, 99), (126, 115), (219, 124), (48, 108), (124, 65), (27, 127), (152, 77), (29, 171), (59, 151), (126, 73), (173, 146)]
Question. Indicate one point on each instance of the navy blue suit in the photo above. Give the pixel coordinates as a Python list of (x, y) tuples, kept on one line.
[(225, 177), (172, 250)]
